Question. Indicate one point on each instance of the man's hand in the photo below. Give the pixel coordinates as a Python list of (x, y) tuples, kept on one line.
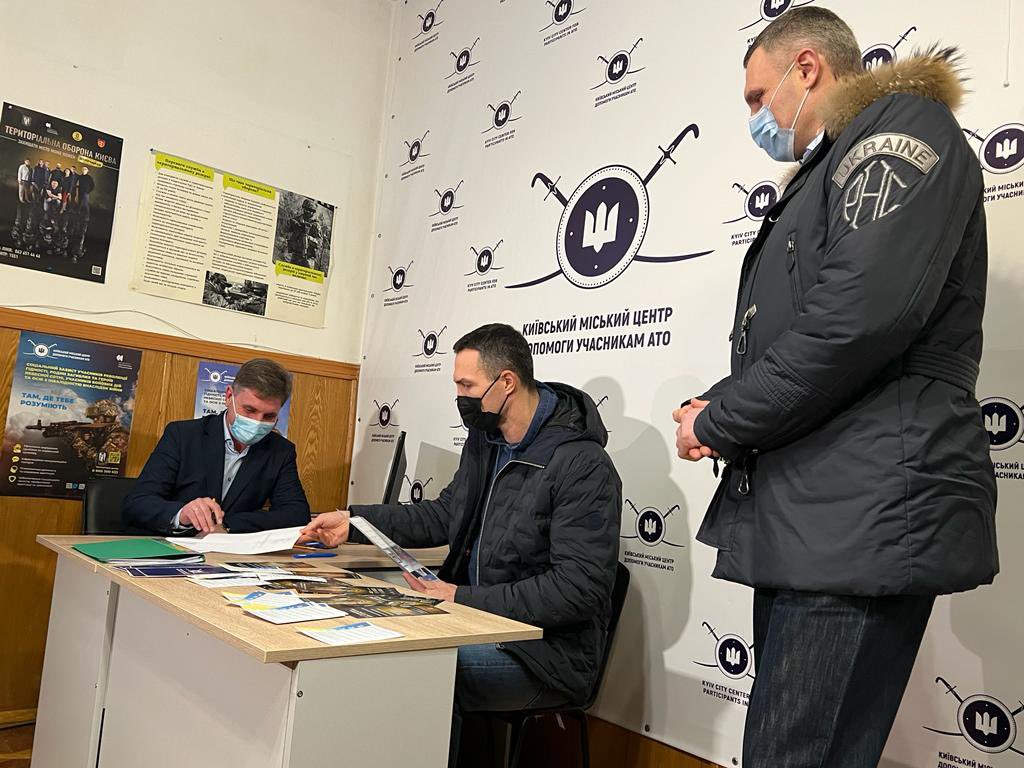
[(688, 446), (439, 589), (204, 514), (329, 528)]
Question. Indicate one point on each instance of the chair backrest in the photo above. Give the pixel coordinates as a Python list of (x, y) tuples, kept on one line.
[(619, 590), (101, 505)]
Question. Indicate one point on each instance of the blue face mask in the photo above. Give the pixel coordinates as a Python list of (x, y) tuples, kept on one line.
[(777, 142), (249, 431)]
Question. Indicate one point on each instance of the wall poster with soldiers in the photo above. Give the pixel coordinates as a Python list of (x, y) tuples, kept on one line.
[(219, 239), (58, 185), (69, 415)]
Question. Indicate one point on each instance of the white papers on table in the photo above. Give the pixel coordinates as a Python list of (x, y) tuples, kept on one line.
[(288, 614), (141, 561), (252, 567), (258, 543), (236, 580), (261, 599), (363, 632)]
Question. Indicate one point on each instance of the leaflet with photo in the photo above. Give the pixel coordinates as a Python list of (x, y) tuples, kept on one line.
[(211, 237), (401, 557)]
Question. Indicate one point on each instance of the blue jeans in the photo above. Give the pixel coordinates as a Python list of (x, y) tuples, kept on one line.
[(831, 672), (490, 679)]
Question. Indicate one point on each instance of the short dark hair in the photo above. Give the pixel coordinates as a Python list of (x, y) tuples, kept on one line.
[(819, 28), (501, 348), (266, 378)]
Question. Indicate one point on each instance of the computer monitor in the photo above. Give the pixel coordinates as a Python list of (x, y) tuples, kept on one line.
[(396, 473)]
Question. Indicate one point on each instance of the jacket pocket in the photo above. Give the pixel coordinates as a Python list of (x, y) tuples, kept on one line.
[(718, 529), (795, 288)]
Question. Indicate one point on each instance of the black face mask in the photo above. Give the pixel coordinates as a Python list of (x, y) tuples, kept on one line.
[(474, 416)]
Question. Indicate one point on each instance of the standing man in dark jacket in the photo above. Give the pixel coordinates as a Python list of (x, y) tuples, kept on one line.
[(532, 519), (859, 483)]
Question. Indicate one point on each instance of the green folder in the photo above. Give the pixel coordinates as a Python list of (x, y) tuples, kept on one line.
[(132, 549)]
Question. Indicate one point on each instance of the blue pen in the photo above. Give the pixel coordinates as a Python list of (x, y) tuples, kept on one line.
[(303, 555)]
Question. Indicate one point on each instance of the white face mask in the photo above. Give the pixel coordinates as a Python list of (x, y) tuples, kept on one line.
[(778, 142)]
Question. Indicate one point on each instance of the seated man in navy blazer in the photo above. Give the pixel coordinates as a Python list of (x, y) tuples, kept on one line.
[(217, 473)]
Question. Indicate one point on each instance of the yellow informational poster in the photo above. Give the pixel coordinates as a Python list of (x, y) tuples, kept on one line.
[(219, 239)]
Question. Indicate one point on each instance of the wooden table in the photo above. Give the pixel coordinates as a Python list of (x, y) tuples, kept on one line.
[(167, 674)]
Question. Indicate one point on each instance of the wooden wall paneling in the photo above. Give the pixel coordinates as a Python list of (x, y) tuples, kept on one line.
[(148, 419), (319, 408), (26, 581)]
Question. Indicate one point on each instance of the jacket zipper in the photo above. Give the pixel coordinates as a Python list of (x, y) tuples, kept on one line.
[(487, 504), (744, 484), (794, 274), (741, 345)]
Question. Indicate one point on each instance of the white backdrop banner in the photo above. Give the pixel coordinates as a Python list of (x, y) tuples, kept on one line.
[(512, 125)]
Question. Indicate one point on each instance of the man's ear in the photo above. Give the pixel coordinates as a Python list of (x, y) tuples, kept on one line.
[(809, 67)]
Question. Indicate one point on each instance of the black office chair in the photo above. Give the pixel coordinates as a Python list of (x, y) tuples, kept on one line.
[(519, 720), (101, 505)]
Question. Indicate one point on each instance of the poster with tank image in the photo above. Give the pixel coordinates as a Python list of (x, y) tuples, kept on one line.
[(69, 416), (58, 186)]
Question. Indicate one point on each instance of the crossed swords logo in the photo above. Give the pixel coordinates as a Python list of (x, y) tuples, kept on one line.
[(880, 54), (733, 657), (983, 721), (604, 221)]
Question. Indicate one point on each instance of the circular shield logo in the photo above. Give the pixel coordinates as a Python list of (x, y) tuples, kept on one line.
[(416, 492), (414, 150), (761, 199), (398, 279), (384, 415), (216, 376), (1003, 149), (484, 260), (617, 67), (462, 61), (772, 9), (650, 526), (502, 114), (561, 11), (430, 344), (602, 226), (447, 201), (733, 656), (877, 55), (1004, 422), (428, 21), (987, 723), (40, 350)]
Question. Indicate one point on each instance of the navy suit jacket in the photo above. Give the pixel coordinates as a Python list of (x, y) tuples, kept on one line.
[(188, 462)]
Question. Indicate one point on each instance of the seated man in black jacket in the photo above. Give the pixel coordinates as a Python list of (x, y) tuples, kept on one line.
[(217, 473), (532, 519)]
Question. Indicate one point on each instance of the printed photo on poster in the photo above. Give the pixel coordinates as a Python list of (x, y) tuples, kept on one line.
[(58, 186), (303, 234), (212, 383), (214, 238), (69, 416)]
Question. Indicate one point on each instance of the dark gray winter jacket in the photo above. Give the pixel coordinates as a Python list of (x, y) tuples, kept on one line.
[(549, 538), (859, 464)]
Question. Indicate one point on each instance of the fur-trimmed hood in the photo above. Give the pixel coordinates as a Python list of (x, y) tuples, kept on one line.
[(934, 74)]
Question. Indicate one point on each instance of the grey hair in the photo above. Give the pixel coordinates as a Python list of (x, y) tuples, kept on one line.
[(817, 28)]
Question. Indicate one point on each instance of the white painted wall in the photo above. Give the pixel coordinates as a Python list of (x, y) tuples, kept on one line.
[(289, 93)]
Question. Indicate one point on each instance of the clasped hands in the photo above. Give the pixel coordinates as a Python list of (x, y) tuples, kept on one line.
[(688, 446)]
